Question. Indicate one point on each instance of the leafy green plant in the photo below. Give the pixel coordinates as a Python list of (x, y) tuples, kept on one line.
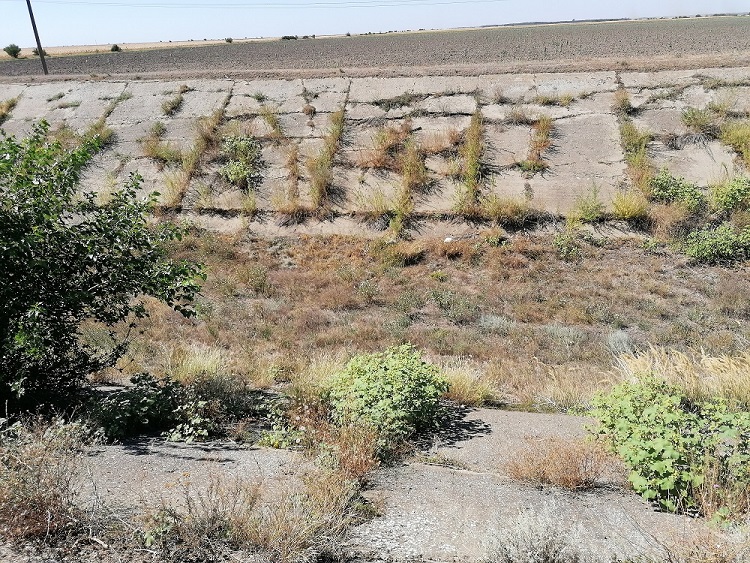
[(147, 405), (588, 207), (668, 443), (732, 195), (722, 244), (13, 50), (668, 189), (568, 246), (244, 166), (115, 48), (65, 259), (396, 393)]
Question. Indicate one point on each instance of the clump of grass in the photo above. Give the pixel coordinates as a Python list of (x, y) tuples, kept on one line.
[(39, 465), (413, 178), (630, 205), (570, 463), (386, 144), (466, 385), (154, 147), (172, 105), (702, 376), (441, 142), (736, 134), (402, 100), (70, 104), (271, 116), (244, 163), (701, 122), (6, 106), (471, 152), (562, 100), (622, 104), (635, 145), (519, 116), (320, 167), (541, 140), (498, 97), (588, 207), (513, 212), (114, 103)]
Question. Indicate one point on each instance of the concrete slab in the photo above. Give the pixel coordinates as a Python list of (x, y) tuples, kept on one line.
[(371, 190), (586, 154), (515, 87), (356, 111), (506, 145), (332, 85), (703, 164), (373, 89), (575, 84), (274, 90), (737, 98), (326, 102), (658, 79), (697, 97), (449, 105), (10, 91), (202, 103), (299, 125), (661, 121)]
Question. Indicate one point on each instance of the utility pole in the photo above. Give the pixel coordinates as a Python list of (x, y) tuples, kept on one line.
[(36, 34)]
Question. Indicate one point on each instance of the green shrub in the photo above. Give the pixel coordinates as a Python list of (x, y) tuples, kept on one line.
[(64, 260), (148, 405), (672, 446), (13, 50), (721, 244), (115, 48), (732, 195), (244, 166), (396, 393), (35, 52), (668, 189)]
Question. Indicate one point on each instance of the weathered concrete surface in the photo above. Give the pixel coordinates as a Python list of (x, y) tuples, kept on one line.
[(438, 513), (585, 154)]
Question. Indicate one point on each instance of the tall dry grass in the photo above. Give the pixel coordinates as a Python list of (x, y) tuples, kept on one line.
[(702, 376)]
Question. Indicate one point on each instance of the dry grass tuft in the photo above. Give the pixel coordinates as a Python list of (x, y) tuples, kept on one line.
[(320, 168), (541, 140), (467, 385), (669, 220), (621, 104), (702, 376), (386, 144), (570, 463), (630, 206), (39, 465), (6, 106), (512, 212), (442, 142)]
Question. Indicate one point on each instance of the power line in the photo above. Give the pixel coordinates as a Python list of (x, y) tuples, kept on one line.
[(274, 6)]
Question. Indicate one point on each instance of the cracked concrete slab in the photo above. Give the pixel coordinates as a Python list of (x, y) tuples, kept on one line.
[(702, 164)]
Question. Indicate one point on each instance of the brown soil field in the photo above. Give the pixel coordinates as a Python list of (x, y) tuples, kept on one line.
[(634, 44)]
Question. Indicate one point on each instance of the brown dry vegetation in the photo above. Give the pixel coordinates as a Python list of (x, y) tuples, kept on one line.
[(539, 330)]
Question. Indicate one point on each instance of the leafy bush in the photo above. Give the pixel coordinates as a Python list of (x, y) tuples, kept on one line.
[(668, 189), (147, 405), (669, 444), (396, 393), (65, 259), (35, 52), (244, 166), (721, 244), (13, 50), (732, 195), (115, 48)]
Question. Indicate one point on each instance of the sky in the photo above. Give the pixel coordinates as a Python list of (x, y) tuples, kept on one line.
[(104, 22)]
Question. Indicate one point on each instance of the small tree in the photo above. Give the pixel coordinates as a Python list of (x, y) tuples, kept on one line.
[(65, 259), (13, 50), (115, 48)]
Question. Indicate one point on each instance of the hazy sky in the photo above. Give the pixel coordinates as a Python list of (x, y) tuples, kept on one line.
[(78, 22)]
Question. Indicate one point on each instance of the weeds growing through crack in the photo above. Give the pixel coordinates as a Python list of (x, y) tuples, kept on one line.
[(171, 106), (471, 152), (320, 167), (541, 141)]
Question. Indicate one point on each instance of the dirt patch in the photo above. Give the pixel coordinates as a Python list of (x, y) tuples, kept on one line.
[(584, 45)]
